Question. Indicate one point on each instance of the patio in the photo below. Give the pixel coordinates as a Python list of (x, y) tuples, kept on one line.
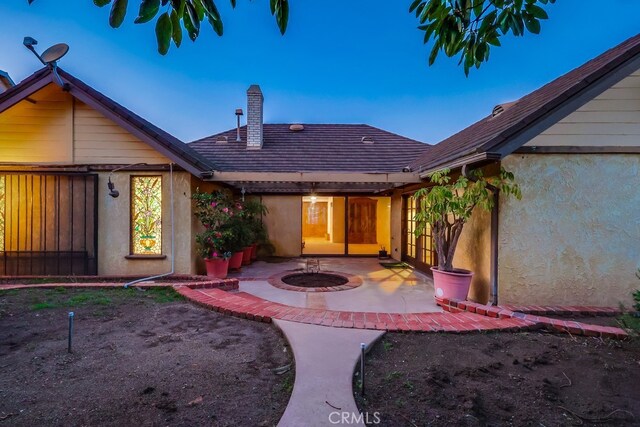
[(383, 290)]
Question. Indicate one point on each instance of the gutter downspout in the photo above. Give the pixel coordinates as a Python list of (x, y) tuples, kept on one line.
[(173, 235), (466, 171)]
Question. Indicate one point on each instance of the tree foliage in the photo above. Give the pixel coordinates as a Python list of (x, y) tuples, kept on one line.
[(471, 27), (468, 28), (446, 206)]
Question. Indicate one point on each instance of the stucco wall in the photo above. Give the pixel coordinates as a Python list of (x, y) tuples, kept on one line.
[(574, 238), (474, 253), (284, 224), (395, 251), (114, 228)]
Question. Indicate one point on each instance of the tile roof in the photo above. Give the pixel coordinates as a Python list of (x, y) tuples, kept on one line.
[(490, 132), (151, 134), (319, 147)]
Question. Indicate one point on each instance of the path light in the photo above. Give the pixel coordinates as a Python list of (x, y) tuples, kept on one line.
[(71, 315)]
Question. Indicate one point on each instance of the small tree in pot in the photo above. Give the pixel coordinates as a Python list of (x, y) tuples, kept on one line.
[(446, 207)]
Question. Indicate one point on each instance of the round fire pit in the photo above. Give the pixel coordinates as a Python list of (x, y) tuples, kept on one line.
[(324, 281), (315, 280)]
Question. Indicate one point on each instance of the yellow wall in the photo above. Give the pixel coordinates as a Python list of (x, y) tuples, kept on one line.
[(383, 222), (59, 129), (338, 220), (396, 225), (114, 229), (574, 238), (474, 253), (284, 224)]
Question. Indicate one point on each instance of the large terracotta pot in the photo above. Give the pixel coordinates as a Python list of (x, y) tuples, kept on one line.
[(451, 284), (217, 267), (235, 262), (246, 259), (254, 252)]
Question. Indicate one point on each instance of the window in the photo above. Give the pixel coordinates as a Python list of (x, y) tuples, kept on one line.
[(421, 250), (146, 215)]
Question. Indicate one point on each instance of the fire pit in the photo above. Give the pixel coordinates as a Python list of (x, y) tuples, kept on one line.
[(315, 280), (326, 281)]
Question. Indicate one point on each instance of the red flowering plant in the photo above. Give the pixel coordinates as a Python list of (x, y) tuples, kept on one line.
[(214, 211)]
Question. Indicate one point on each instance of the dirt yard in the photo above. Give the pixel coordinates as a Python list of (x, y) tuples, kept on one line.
[(139, 358), (502, 379)]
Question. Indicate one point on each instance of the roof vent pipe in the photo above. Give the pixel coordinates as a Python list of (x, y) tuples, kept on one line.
[(367, 139), (239, 113)]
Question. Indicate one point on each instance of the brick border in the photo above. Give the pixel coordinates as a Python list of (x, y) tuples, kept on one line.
[(276, 281), (552, 325)]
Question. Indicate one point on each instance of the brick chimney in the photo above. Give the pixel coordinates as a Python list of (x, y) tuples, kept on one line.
[(255, 101)]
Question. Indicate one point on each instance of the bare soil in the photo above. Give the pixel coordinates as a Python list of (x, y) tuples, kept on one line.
[(314, 280), (139, 358), (501, 379)]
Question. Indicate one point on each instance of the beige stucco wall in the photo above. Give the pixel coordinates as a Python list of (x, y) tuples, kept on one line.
[(284, 224), (574, 238), (474, 253), (395, 249), (114, 228)]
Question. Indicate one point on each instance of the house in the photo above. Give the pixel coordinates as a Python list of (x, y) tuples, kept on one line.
[(338, 190)]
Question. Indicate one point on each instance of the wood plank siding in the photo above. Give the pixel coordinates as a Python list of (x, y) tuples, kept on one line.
[(57, 129), (612, 119)]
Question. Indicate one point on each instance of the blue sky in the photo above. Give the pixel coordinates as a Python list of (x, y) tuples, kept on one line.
[(341, 61)]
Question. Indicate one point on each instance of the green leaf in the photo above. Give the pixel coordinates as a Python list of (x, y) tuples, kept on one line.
[(191, 23), (414, 4), (434, 53), (98, 3), (233, 4), (280, 8), (148, 9), (163, 33), (536, 11), (176, 32), (118, 12), (216, 24), (533, 25)]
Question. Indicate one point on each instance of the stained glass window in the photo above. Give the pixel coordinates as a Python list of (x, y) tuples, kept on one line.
[(2, 209), (146, 215)]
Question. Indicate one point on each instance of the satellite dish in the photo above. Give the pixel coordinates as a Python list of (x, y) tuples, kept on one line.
[(54, 53)]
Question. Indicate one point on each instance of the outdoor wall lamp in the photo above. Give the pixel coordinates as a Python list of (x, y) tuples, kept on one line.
[(112, 187)]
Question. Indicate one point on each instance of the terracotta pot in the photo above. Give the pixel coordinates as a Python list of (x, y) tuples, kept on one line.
[(246, 259), (235, 262), (451, 284), (217, 267), (254, 252)]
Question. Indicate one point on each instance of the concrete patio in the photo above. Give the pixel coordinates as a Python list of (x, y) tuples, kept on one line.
[(383, 290)]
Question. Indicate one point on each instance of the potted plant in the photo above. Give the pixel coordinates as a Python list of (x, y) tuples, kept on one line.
[(382, 253), (254, 210), (445, 208), (211, 247), (215, 243)]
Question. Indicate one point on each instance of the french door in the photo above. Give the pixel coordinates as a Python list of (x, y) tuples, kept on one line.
[(417, 251)]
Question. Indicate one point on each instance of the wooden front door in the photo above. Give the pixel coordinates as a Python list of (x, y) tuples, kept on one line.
[(362, 220)]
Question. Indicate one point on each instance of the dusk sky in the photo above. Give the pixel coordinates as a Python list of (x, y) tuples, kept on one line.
[(341, 61)]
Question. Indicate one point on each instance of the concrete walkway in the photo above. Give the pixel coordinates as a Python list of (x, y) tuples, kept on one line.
[(325, 359), (383, 290)]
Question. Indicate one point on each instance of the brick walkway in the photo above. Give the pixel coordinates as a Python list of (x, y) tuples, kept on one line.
[(459, 316)]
